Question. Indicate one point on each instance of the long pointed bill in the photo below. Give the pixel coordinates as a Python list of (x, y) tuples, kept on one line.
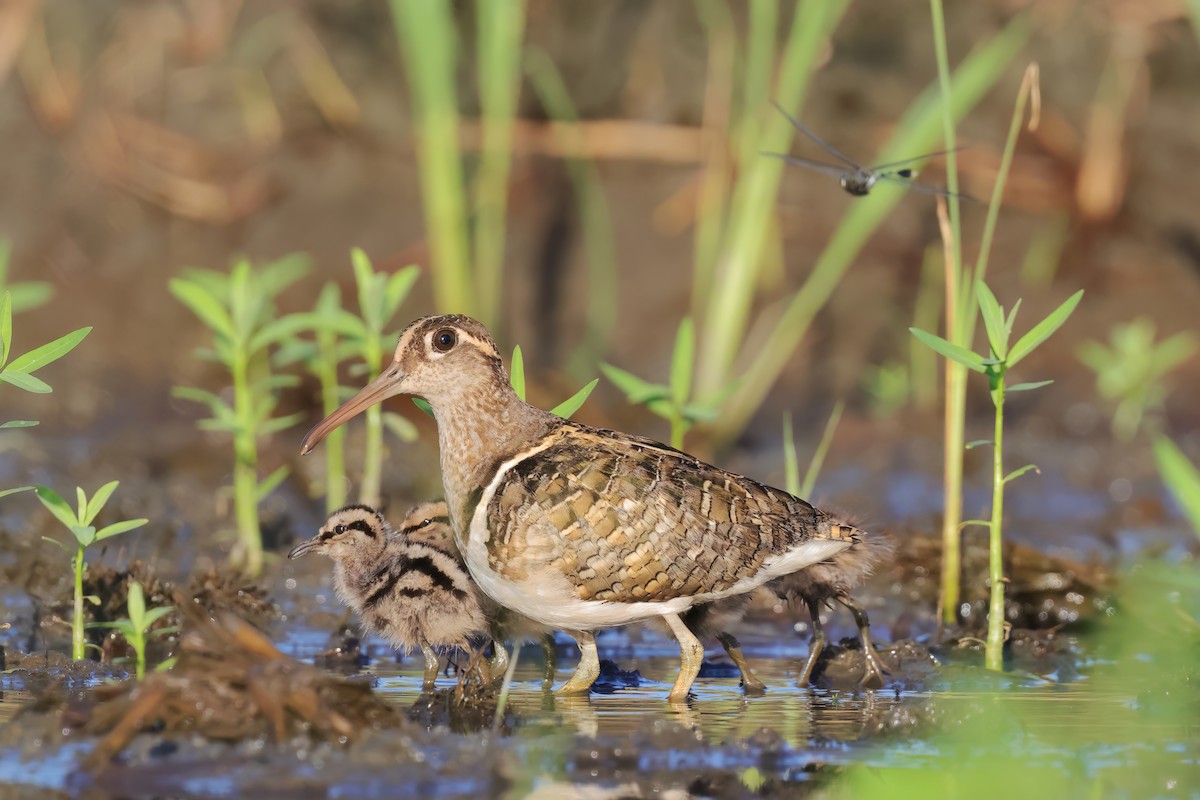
[(305, 547), (378, 390)]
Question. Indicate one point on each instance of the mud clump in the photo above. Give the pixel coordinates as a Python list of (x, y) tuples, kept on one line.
[(231, 684)]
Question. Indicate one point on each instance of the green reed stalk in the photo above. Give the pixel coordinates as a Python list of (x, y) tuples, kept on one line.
[(714, 185), (499, 31), (736, 272), (552, 91), (994, 650), (957, 331), (818, 459), (427, 35)]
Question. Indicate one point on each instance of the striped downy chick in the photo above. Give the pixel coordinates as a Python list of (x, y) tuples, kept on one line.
[(430, 522), (408, 592)]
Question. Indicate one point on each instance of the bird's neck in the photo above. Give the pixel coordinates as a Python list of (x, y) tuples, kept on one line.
[(479, 429)]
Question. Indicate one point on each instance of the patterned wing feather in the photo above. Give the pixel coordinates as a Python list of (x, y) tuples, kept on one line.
[(626, 519)]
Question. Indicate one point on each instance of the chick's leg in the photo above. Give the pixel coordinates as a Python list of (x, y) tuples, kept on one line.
[(874, 662), (431, 666), (750, 682), (815, 646)]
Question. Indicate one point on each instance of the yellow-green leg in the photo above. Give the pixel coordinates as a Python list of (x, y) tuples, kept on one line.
[(691, 655), (589, 664), (550, 659), (814, 647), (874, 662), (750, 682), (499, 663), (431, 666)]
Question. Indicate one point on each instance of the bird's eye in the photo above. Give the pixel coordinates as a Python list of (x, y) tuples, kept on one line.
[(445, 339), (425, 523), (340, 529)]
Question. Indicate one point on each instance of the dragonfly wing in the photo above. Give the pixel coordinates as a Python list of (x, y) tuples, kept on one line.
[(828, 169), (904, 161), (826, 145), (921, 187)]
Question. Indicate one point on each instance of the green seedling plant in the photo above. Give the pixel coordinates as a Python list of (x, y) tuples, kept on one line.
[(79, 523), (1130, 373), (995, 366), (19, 371), (136, 628), (673, 401), (239, 308), (379, 298), (1181, 477), (339, 336)]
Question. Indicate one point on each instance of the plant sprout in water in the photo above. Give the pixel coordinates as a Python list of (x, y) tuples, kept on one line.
[(136, 627), (857, 179), (79, 523)]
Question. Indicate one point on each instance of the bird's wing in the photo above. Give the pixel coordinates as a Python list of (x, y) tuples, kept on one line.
[(626, 519)]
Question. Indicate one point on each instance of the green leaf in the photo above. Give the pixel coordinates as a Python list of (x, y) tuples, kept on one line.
[(1181, 477), (982, 523), (1012, 318), (82, 507), (636, 390), (204, 305), (568, 407), (56, 505), (1016, 473), (699, 412), (280, 423), (281, 273), (271, 482), (949, 350), (993, 320), (682, 361), (423, 404), (791, 463), (154, 615), (200, 396), (364, 272), (166, 664), (1043, 330), (25, 381), (119, 527), (398, 287), (1025, 387), (401, 427), (48, 353), (98, 500), (84, 534), (278, 330), (136, 606), (16, 490), (517, 375), (976, 443), (19, 423), (5, 327)]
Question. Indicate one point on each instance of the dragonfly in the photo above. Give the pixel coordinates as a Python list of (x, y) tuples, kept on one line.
[(859, 180)]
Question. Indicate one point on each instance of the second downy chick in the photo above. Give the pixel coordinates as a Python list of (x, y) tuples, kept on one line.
[(430, 522), (411, 593)]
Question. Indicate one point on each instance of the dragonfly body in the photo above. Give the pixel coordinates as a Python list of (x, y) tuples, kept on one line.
[(856, 179)]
